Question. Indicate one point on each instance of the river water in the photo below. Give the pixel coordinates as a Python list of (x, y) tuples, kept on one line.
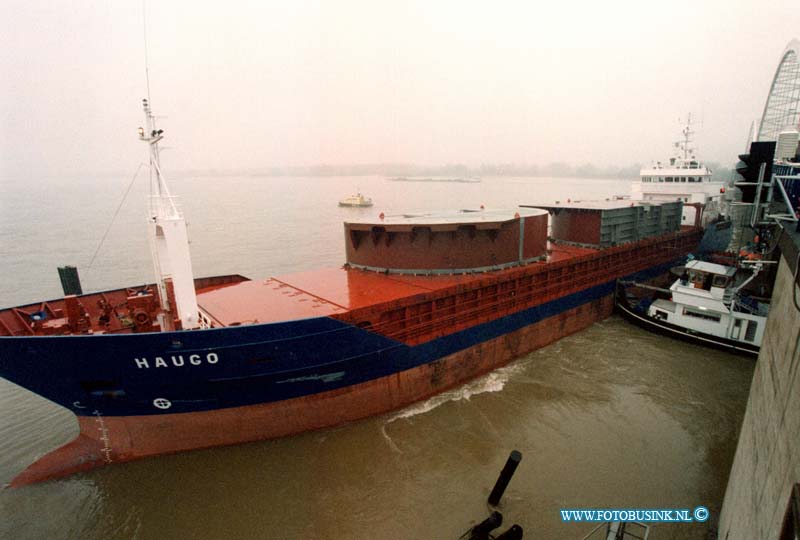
[(610, 417)]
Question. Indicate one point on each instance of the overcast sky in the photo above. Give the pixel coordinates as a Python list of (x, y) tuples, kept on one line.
[(255, 84)]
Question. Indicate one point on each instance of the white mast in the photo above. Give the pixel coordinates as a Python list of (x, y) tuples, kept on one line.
[(687, 139), (169, 239)]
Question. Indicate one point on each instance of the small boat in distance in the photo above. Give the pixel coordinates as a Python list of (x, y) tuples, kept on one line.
[(706, 305), (357, 200)]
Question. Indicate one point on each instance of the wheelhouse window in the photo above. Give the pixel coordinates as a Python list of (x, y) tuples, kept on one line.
[(720, 281), (698, 314), (750, 332)]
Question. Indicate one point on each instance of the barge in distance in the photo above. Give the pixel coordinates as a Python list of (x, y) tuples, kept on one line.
[(424, 303)]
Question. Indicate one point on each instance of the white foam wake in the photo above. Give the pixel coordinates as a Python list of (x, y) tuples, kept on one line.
[(491, 382)]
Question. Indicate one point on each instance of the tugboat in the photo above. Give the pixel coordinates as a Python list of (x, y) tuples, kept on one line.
[(705, 305), (357, 200)]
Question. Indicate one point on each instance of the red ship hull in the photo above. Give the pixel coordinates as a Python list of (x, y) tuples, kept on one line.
[(105, 440), (320, 349)]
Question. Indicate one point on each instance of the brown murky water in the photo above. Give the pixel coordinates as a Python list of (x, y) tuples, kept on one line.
[(610, 417)]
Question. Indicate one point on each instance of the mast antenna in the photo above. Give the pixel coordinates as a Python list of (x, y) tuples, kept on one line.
[(146, 55), (687, 139), (169, 239)]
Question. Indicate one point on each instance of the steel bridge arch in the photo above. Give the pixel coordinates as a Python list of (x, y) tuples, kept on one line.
[(782, 108)]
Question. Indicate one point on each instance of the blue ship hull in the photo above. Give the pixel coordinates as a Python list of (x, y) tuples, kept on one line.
[(137, 395), (123, 374)]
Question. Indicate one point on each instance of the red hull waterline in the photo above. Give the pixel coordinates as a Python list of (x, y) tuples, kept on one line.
[(104, 440)]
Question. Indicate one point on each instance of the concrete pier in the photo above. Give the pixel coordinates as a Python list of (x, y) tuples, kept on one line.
[(767, 461)]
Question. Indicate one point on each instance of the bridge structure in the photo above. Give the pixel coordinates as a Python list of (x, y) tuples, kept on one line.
[(782, 108), (762, 497)]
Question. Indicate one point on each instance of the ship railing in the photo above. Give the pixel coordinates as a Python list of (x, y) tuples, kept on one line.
[(761, 210), (476, 310), (619, 530), (166, 205), (790, 214), (741, 307), (418, 323), (744, 307)]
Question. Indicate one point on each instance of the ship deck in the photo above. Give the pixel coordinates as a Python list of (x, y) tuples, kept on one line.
[(345, 293), (314, 293), (334, 291)]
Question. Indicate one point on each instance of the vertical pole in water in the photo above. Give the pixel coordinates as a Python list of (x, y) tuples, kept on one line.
[(505, 477)]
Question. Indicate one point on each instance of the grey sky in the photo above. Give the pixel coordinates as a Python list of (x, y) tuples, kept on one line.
[(253, 84)]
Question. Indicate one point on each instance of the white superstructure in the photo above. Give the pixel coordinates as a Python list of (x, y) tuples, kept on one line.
[(706, 301), (356, 200), (169, 240), (787, 145), (682, 178)]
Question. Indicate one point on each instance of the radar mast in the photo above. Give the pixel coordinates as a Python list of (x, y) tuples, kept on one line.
[(169, 240)]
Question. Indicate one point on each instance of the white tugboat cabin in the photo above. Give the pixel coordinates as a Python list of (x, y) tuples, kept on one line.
[(705, 304)]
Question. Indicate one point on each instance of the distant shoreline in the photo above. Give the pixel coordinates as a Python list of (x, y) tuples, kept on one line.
[(451, 173), (411, 173), (422, 179)]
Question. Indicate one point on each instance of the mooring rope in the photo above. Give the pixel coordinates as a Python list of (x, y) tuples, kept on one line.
[(119, 207)]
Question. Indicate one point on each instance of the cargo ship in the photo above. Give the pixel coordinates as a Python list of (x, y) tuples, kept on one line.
[(685, 178), (423, 303)]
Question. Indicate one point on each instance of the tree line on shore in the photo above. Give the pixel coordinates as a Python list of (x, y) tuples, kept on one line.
[(457, 170)]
